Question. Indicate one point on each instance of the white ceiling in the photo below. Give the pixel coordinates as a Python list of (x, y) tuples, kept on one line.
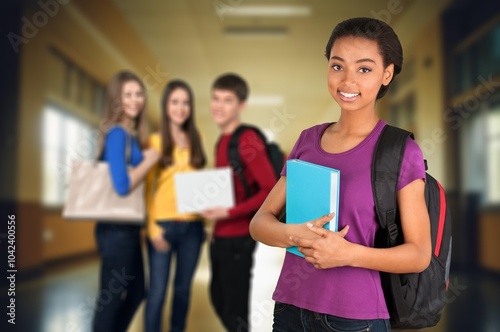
[(187, 38)]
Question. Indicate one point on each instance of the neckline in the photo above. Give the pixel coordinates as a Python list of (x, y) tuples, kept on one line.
[(175, 146), (379, 124)]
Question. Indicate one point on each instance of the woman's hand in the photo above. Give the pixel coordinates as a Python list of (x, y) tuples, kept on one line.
[(215, 213), (160, 244), (329, 249), (150, 155), (303, 231), (149, 159)]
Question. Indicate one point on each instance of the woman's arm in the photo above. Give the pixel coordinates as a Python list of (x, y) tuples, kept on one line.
[(266, 228), (138, 173), (152, 228), (124, 179), (412, 256), (154, 232)]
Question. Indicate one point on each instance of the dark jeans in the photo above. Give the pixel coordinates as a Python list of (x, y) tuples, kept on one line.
[(121, 285), (185, 239), (231, 263), (289, 318)]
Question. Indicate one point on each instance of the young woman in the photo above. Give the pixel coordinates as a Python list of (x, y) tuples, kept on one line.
[(122, 144), (337, 287), (170, 232)]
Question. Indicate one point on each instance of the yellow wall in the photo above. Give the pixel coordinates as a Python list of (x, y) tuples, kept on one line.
[(64, 239), (431, 131), (427, 87)]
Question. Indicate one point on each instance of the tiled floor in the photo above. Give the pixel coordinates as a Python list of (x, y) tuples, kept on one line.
[(61, 301)]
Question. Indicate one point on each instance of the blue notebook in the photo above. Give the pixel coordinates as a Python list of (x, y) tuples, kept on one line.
[(312, 191)]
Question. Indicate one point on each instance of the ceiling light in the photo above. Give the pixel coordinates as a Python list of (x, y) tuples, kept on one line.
[(265, 100), (249, 31), (286, 11)]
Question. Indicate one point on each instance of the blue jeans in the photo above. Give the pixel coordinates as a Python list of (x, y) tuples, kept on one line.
[(121, 284), (185, 239), (289, 318)]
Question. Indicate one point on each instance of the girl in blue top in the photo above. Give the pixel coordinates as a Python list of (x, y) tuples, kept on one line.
[(122, 143)]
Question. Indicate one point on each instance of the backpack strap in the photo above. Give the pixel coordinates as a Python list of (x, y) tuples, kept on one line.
[(234, 154), (234, 157), (386, 166)]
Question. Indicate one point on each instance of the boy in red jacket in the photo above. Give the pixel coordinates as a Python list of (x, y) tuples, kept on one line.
[(231, 248)]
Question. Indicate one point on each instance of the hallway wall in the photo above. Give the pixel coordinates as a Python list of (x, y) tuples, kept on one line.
[(97, 38), (99, 45)]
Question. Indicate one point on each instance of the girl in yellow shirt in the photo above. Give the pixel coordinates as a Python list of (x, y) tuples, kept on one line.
[(171, 232)]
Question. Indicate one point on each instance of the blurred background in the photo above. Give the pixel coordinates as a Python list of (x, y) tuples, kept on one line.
[(57, 57)]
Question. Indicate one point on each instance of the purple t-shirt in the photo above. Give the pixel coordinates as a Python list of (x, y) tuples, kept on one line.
[(348, 292)]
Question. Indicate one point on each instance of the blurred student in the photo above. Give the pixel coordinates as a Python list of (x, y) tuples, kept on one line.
[(337, 286), (122, 144), (170, 232), (231, 246)]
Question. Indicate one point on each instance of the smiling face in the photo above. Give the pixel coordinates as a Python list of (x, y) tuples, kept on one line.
[(356, 72), (132, 99), (178, 107), (226, 107)]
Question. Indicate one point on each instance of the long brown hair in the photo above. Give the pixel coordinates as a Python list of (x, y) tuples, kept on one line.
[(197, 158), (113, 110)]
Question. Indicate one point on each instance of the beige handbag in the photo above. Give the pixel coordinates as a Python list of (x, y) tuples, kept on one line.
[(91, 195)]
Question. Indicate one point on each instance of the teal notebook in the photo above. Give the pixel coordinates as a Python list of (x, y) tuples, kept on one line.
[(312, 191)]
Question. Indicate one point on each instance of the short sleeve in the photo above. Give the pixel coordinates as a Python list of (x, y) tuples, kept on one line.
[(294, 153), (412, 166), (155, 142)]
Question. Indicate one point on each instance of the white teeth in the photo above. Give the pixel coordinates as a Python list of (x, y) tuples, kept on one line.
[(349, 95)]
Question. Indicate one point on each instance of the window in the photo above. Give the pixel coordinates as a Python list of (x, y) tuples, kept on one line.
[(65, 138), (74, 85), (488, 53), (481, 156), (479, 59), (493, 153), (473, 154)]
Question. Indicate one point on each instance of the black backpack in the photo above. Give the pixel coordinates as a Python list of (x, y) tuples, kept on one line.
[(414, 300), (274, 152)]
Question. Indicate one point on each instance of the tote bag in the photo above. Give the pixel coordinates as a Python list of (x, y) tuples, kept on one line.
[(91, 196)]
